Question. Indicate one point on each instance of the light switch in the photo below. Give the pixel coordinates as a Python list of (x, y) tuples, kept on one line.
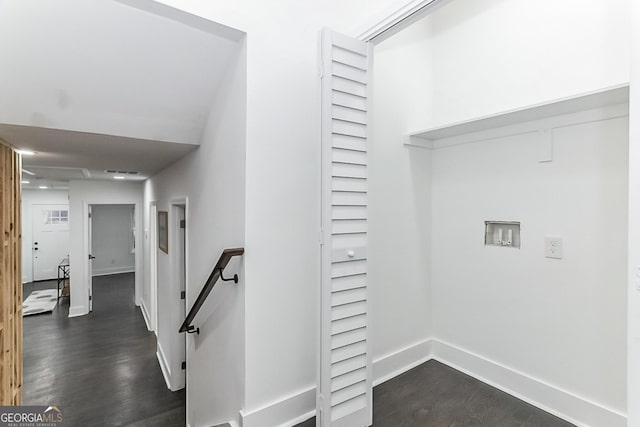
[(553, 247)]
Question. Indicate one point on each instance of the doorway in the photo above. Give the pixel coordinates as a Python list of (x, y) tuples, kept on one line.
[(178, 249), (153, 267), (111, 234), (50, 239)]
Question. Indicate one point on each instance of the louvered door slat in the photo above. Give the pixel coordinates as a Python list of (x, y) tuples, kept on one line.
[(349, 142), (345, 56), (349, 87), (351, 101), (345, 392), (348, 355)]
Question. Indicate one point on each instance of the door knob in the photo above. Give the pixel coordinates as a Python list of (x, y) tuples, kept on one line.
[(91, 257)]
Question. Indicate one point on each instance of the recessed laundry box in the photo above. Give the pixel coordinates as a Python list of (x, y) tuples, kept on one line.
[(502, 233)]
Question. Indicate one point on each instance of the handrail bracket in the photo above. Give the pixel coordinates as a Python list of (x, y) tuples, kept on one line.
[(192, 330), (228, 279)]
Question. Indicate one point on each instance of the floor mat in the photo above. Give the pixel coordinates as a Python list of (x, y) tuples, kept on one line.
[(40, 302)]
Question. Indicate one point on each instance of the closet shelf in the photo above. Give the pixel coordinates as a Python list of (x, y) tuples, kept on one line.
[(609, 96)]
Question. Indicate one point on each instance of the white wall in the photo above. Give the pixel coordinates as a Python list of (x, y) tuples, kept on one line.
[(30, 198), (633, 358), (81, 194), (399, 202), (212, 179), (112, 239), (498, 55), (534, 315), (468, 60)]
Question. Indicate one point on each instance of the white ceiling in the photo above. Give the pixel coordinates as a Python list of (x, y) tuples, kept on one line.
[(102, 66), (93, 85), (63, 155)]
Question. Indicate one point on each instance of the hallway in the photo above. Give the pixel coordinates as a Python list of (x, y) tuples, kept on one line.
[(101, 369)]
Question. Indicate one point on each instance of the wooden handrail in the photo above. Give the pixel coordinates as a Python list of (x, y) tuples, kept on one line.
[(224, 259)]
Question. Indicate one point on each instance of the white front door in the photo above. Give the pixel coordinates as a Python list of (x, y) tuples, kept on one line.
[(345, 391), (50, 243)]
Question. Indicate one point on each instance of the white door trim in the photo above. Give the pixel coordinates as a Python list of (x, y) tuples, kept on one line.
[(84, 304), (398, 19), (179, 381), (153, 266)]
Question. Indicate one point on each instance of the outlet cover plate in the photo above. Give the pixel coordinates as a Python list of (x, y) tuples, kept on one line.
[(553, 247)]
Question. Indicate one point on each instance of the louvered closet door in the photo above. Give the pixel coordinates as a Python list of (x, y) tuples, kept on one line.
[(345, 392)]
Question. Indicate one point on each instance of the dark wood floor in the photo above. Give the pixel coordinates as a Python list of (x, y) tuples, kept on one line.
[(101, 369), (435, 395)]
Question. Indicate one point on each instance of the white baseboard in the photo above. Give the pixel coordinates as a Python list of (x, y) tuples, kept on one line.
[(298, 407), (78, 310), (397, 362), (112, 270), (145, 315), (285, 412), (302, 418), (164, 366), (561, 403)]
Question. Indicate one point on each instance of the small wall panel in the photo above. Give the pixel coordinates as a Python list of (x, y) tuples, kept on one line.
[(10, 278)]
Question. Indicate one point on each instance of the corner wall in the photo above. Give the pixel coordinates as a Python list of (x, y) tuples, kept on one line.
[(212, 179), (537, 316), (400, 204)]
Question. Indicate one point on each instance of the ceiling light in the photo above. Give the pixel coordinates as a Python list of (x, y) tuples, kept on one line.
[(25, 182), (118, 177), (43, 187), (26, 152), (28, 172)]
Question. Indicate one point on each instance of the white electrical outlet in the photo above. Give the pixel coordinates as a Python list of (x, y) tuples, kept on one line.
[(553, 247)]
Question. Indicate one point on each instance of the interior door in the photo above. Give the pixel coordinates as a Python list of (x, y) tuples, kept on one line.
[(50, 243), (91, 258), (180, 245), (345, 392)]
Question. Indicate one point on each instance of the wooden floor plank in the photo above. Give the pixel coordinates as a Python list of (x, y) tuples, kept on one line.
[(435, 395), (101, 369)]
